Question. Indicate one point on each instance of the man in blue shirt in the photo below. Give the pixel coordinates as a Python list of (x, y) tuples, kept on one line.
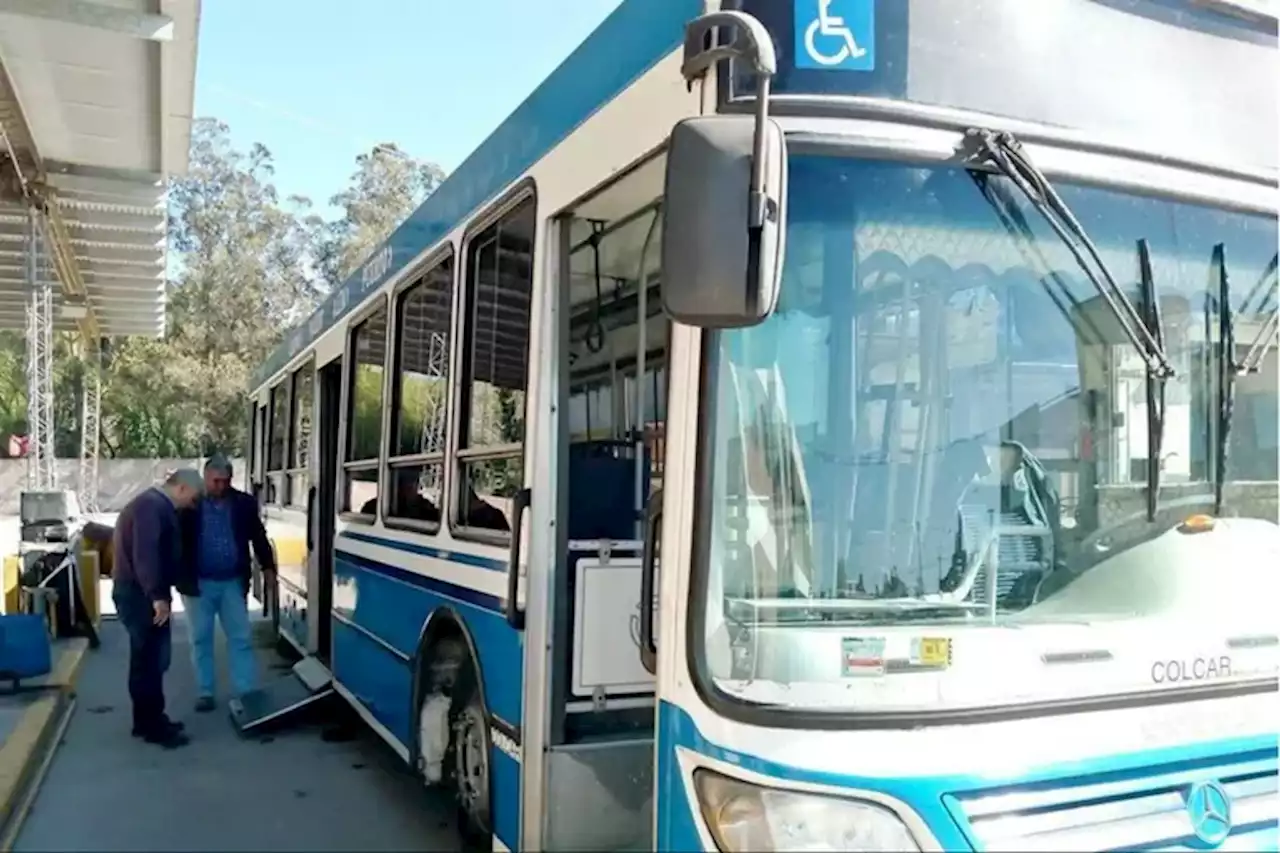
[(217, 537)]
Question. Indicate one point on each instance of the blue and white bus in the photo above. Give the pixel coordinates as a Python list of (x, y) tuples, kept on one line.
[(927, 347)]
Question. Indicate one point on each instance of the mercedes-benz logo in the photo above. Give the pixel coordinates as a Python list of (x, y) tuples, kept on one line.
[(1209, 807)]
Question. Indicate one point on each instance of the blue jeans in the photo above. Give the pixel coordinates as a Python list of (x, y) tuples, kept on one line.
[(224, 601)]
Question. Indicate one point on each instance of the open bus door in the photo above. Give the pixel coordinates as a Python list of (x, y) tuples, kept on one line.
[(309, 681), (322, 509)]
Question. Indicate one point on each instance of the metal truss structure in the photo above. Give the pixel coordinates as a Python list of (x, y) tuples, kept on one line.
[(83, 195)]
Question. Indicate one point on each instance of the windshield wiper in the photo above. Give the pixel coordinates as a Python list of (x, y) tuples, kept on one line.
[(1228, 369), (1003, 152), (1024, 239), (1155, 383)]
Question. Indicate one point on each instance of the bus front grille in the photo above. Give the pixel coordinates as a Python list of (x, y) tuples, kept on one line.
[(1145, 809)]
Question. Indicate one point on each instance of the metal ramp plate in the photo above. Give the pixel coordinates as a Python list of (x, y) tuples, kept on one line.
[(315, 675), (308, 683)]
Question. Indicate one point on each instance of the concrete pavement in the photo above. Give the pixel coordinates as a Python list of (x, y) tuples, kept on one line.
[(106, 791)]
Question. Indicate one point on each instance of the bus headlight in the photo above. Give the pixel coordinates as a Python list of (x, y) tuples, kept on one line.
[(743, 817)]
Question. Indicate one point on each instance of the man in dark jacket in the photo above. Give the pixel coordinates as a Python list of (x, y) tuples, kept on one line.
[(147, 552), (217, 536)]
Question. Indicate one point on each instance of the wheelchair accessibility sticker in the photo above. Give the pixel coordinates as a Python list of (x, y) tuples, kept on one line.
[(839, 35)]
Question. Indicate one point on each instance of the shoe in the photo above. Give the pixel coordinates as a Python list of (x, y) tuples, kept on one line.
[(170, 726), (205, 704), (167, 739)]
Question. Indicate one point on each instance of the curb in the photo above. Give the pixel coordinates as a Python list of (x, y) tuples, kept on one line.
[(27, 752)]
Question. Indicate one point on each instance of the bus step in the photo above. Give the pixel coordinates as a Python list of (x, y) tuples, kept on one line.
[(284, 700)]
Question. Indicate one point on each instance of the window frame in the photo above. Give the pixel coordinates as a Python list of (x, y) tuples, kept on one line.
[(442, 255), (274, 478), (257, 424), (291, 471), (350, 366), (460, 403)]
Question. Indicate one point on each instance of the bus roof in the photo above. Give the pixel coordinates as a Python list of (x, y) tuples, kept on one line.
[(630, 41)]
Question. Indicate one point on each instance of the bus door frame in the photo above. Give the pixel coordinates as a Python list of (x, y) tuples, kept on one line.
[(322, 505)]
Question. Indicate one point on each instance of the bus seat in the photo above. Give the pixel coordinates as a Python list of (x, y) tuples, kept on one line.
[(1025, 527), (602, 490)]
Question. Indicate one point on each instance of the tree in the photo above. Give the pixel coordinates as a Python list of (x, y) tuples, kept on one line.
[(146, 407), (246, 266), (244, 274), (245, 261), (386, 187), (422, 405), (13, 387)]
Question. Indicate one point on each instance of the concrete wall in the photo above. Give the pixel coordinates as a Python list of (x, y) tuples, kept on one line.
[(118, 479)]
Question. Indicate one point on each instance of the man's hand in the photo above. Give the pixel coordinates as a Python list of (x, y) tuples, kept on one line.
[(161, 610)]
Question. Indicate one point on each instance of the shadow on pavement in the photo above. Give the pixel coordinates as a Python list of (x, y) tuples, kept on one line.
[(292, 790)]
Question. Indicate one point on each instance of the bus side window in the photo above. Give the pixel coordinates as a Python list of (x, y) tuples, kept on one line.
[(499, 286), (418, 413), (299, 460), (257, 426), (368, 356), (277, 435)]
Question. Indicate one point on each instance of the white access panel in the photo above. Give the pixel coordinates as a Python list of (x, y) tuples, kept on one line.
[(606, 629)]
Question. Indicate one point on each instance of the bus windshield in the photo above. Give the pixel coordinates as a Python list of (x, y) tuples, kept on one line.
[(930, 468)]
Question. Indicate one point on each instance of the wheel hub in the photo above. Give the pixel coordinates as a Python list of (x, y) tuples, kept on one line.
[(472, 765)]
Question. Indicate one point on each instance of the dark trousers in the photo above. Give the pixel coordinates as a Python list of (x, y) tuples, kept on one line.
[(150, 647)]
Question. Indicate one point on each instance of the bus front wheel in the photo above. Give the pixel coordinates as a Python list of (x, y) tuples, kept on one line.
[(467, 763)]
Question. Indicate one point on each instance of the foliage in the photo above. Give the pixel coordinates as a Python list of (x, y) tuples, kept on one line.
[(385, 188), (422, 413), (366, 423), (245, 267)]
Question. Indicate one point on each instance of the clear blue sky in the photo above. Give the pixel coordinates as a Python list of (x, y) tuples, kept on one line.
[(321, 81)]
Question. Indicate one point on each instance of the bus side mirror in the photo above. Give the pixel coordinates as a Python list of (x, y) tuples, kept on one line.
[(723, 220)]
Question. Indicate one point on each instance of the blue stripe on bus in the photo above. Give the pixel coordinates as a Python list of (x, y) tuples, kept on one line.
[(464, 594), (394, 605), (379, 680), (428, 551), (626, 45)]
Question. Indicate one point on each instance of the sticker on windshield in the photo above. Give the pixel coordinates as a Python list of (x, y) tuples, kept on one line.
[(839, 35), (863, 656), (932, 652)]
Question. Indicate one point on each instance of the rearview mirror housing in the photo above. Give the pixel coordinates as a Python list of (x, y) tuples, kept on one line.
[(723, 227)]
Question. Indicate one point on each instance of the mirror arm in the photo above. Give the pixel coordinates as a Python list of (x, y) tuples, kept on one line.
[(760, 210), (753, 44)]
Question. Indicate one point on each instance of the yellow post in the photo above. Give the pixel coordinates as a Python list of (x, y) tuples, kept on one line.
[(12, 586), (87, 561)]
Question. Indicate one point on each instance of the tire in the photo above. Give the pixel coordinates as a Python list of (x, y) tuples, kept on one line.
[(467, 764)]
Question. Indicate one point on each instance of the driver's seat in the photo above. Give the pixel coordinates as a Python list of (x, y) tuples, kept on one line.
[(1015, 543)]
